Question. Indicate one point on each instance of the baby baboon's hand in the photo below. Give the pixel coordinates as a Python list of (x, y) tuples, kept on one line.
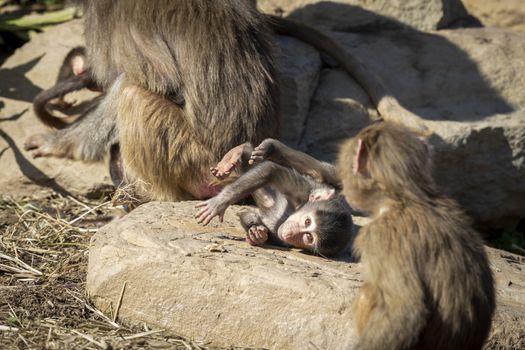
[(263, 151), (209, 209), (257, 235)]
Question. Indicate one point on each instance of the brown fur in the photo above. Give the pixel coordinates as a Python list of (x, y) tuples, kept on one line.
[(427, 283)]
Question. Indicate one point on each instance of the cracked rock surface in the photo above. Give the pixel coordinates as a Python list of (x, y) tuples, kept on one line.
[(206, 283)]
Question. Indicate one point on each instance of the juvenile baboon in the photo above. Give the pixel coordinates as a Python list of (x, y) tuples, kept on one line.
[(73, 75), (294, 209), (186, 81), (427, 282)]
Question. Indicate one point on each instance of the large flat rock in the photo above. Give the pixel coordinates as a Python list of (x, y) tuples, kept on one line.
[(354, 14), (206, 283)]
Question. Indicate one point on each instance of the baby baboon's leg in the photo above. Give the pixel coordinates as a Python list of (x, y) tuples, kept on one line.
[(236, 157), (159, 148)]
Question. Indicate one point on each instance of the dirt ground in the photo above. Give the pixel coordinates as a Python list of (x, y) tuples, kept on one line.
[(44, 244)]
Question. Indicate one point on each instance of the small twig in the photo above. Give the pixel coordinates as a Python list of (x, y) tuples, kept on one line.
[(183, 343), (102, 344), (8, 328), (21, 264), (79, 202), (518, 248), (143, 334), (86, 230), (88, 212), (13, 314), (119, 303), (96, 311)]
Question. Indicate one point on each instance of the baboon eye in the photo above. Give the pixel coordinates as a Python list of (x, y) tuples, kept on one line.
[(307, 222)]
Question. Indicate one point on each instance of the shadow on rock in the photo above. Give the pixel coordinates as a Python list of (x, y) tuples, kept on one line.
[(15, 116), (30, 171), (14, 83), (422, 70), (475, 163)]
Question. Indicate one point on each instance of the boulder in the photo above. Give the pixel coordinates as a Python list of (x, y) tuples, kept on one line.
[(467, 86), (347, 15), (501, 13), (299, 65), (207, 284)]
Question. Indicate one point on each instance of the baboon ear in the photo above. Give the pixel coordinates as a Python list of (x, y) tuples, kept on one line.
[(361, 158)]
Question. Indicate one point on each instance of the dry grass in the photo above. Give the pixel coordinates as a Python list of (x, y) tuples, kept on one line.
[(43, 261)]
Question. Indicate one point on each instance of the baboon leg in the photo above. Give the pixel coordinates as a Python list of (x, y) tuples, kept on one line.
[(159, 148)]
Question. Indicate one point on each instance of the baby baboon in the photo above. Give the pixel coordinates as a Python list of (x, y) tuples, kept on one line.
[(294, 209), (73, 75), (427, 282)]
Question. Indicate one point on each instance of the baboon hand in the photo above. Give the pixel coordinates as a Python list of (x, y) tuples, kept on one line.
[(209, 209), (263, 151), (257, 235), (40, 145)]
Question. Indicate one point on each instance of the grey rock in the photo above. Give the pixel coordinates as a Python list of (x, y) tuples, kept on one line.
[(340, 109), (347, 15), (206, 283), (467, 86), (299, 66)]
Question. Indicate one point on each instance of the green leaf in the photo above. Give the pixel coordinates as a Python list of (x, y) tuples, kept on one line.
[(35, 21)]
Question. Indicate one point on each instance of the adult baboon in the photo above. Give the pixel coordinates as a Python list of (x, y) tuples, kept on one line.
[(186, 81)]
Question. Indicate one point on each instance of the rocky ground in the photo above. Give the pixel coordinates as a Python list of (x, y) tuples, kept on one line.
[(466, 84)]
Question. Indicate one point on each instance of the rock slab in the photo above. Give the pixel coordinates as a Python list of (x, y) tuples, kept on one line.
[(347, 14), (207, 284)]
